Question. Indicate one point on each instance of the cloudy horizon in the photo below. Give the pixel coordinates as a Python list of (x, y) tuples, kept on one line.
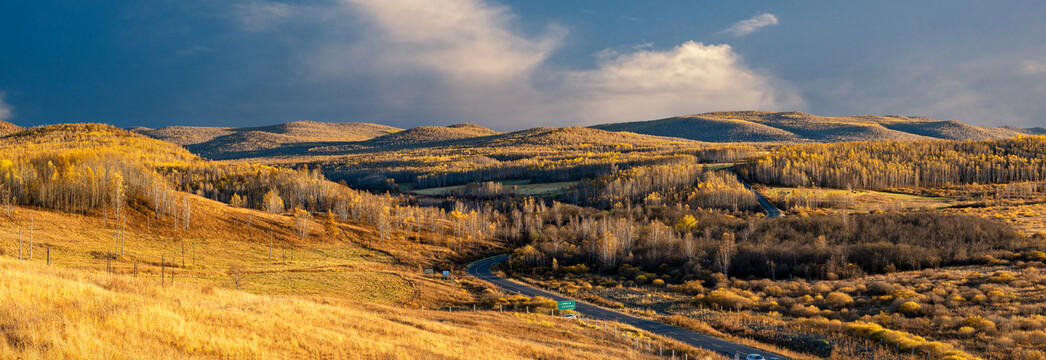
[(514, 64)]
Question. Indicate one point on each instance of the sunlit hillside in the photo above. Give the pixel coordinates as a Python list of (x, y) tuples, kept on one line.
[(52, 312)]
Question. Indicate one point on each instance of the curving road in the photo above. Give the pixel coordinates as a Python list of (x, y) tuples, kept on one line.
[(481, 270), (771, 210)]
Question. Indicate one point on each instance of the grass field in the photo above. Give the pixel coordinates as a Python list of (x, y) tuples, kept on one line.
[(1029, 218), (522, 187), (792, 198), (229, 247), (51, 312)]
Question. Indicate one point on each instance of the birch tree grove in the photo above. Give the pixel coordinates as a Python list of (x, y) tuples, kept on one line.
[(893, 164)]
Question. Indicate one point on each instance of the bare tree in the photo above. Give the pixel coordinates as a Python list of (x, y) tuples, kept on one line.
[(238, 275), (607, 247), (725, 253), (187, 209), (301, 218), (384, 225), (272, 201)]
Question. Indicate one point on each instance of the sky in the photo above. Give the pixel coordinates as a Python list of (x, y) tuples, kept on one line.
[(514, 64)]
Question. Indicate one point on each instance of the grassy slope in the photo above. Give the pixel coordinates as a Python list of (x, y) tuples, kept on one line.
[(333, 262), (49, 312)]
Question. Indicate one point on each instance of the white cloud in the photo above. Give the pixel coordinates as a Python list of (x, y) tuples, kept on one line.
[(5, 108), (690, 78), (745, 27), (466, 60), (458, 38)]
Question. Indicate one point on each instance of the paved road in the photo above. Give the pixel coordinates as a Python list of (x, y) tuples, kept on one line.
[(771, 210), (481, 269)]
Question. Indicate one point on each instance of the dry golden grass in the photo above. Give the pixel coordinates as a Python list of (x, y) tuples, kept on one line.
[(1029, 218), (50, 312), (339, 264), (806, 199)]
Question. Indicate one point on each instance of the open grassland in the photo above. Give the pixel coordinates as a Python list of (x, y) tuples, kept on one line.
[(50, 312), (230, 247), (797, 199), (1028, 217), (517, 187)]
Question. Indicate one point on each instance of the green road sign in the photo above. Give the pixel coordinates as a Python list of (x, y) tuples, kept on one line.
[(567, 305)]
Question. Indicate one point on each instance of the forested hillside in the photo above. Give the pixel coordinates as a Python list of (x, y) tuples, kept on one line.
[(896, 164)]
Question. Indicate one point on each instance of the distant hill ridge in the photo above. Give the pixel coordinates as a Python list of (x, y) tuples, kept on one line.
[(429, 134), (216, 141), (795, 126), (317, 138)]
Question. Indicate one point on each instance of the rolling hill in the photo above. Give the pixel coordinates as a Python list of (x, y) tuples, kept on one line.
[(108, 227), (794, 126), (429, 134), (227, 142), (8, 128)]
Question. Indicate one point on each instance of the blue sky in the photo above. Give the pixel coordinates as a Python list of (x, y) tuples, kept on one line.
[(516, 64)]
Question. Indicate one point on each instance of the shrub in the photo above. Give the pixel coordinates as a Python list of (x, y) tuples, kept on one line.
[(966, 331), (910, 308), (821, 288), (1002, 277), (691, 287), (658, 282), (979, 322), (727, 299), (838, 299), (774, 290)]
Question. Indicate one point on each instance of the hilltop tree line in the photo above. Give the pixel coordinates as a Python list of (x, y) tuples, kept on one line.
[(83, 181), (281, 190), (682, 182), (896, 164), (438, 167)]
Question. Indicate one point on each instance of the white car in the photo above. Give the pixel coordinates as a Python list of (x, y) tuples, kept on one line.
[(755, 357), (570, 316)]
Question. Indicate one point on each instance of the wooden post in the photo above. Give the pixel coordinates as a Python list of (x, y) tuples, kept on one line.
[(161, 271), (183, 253), (19, 244), (30, 239), (48, 254), (270, 242)]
